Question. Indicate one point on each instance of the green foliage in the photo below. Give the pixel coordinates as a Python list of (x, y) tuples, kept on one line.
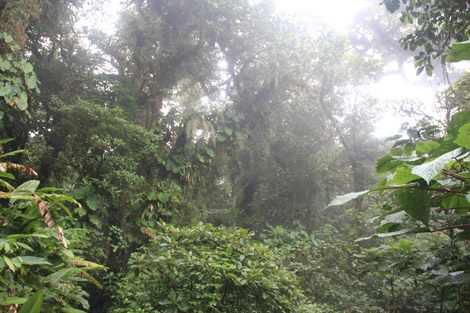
[(331, 277), (41, 270), (432, 196), (436, 26), (416, 274), (433, 173), (206, 269), (18, 81), (460, 51)]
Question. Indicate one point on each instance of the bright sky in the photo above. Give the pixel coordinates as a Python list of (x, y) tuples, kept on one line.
[(336, 13), (339, 14)]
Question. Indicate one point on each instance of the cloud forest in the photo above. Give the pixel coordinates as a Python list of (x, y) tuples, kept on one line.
[(221, 156)]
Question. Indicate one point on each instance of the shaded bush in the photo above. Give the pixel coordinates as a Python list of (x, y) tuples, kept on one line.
[(207, 269)]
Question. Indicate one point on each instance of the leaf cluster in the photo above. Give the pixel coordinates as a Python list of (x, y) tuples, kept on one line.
[(437, 25), (18, 81), (41, 270), (206, 269)]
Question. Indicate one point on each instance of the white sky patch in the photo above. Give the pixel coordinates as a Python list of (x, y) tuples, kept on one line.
[(394, 87), (103, 17), (388, 126), (336, 13)]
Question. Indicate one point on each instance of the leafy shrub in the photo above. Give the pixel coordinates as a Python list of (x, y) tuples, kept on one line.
[(335, 279), (429, 195), (206, 269), (40, 270)]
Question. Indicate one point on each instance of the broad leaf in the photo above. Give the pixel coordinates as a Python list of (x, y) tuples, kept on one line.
[(210, 152), (32, 82), (397, 217), (152, 196), (459, 52), (463, 139), (92, 202), (18, 236), (416, 203), (34, 303), (392, 5), (458, 120), (62, 275), (23, 101), (392, 234), (16, 195), (6, 175), (29, 186), (386, 164), (403, 176), (95, 220), (9, 263), (339, 200), (163, 197), (423, 147), (13, 300), (28, 68), (456, 202), (34, 260), (431, 169)]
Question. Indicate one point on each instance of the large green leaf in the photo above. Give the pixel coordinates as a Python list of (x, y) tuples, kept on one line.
[(387, 164), (431, 169), (393, 218), (339, 200), (16, 195), (163, 197), (34, 260), (18, 236), (416, 203), (456, 202), (402, 176), (7, 175), (92, 202), (62, 275), (29, 186), (459, 52), (34, 303), (463, 139), (458, 120), (423, 147), (9, 263), (13, 300)]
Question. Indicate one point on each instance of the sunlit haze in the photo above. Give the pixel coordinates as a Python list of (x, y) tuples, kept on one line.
[(338, 14)]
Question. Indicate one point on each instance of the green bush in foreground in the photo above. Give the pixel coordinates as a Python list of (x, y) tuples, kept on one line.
[(207, 269)]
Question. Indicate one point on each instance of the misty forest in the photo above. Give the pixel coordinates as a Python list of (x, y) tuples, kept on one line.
[(224, 156)]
